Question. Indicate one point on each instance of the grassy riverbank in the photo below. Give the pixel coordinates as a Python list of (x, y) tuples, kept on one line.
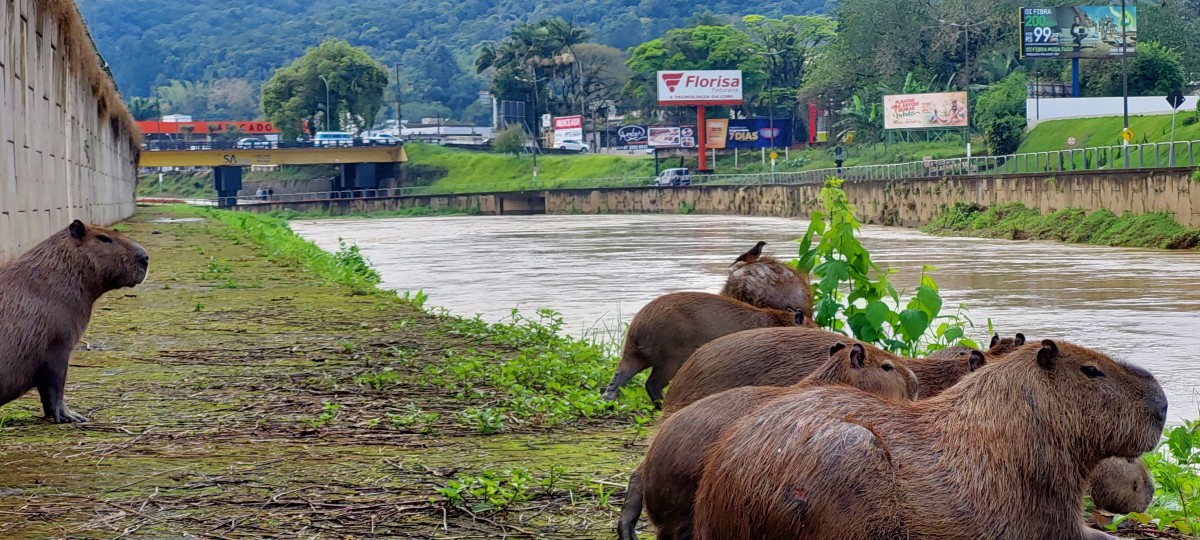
[(1017, 222), (258, 387)]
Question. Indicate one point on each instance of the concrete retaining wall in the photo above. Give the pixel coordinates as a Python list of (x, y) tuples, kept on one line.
[(68, 146), (909, 203)]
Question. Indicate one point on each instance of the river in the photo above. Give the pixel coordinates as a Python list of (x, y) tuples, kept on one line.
[(1135, 305)]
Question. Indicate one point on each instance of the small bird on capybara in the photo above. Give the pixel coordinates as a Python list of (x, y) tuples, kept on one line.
[(1004, 454), (669, 474), (752, 255), (767, 282), (666, 331), (46, 299)]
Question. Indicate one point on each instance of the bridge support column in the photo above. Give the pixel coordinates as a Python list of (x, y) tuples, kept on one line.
[(358, 179), (227, 181)]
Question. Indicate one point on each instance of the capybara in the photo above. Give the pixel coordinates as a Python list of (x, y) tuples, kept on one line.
[(944, 368), (767, 282), (46, 299), (1122, 485), (666, 331), (1003, 454), (667, 478), (781, 357)]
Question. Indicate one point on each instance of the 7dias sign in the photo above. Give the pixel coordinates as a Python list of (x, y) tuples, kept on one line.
[(700, 87)]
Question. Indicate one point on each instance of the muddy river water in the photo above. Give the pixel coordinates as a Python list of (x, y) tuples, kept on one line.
[(1137, 305)]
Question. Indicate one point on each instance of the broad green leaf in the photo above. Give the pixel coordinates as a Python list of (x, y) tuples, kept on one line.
[(1180, 443), (930, 300), (913, 323), (877, 313)]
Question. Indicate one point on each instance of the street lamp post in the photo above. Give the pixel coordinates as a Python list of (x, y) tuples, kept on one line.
[(326, 101)]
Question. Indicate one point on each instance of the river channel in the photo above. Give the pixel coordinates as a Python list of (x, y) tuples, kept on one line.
[(1136, 305)]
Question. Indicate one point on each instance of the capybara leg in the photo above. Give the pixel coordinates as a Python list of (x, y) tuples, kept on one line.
[(654, 386), (620, 378), (631, 509), (51, 383), (1092, 534)]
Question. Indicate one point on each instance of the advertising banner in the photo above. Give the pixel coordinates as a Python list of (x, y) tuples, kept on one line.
[(716, 131), (632, 138), (759, 133), (1077, 32), (671, 136), (568, 128), (925, 111), (710, 87)]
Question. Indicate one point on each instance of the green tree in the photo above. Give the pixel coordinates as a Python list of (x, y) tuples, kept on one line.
[(231, 99), (184, 97), (1003, 136), (510, 141), (296, 93), (1002, 100), (143, 108), (1155, 71), (698, 47)]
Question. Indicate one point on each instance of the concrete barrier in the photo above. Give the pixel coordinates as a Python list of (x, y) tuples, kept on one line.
[(68, 146)]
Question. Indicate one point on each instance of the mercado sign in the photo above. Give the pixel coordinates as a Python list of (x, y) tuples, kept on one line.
[(925, 111), (707, 87), (568, 128), (748, 133), (1077, 32)]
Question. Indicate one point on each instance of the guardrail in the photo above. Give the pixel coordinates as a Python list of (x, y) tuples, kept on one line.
[(261, 145), (1104, 158)]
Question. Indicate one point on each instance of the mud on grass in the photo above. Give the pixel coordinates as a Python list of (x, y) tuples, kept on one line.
[(232, 397)]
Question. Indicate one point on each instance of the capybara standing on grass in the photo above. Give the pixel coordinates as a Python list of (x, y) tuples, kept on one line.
[(668, 476), (1002, 455), (664, 333), (46, 299)]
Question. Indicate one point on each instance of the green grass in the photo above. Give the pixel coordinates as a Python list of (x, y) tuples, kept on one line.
[(1016, 221), (1092, 132)]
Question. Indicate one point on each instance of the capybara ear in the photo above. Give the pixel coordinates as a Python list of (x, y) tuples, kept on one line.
[(995, 340), (858, 356), (976, 361), (78, 230), (1020, 340), (836, 347), (1047, 354), (800, 318)]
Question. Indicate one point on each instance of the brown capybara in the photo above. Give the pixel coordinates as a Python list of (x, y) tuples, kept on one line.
[(1122, 485), (666, 331), (668, 476), (944, 368), (767, 282), (46, 299), (1003, 454), (781, 357)]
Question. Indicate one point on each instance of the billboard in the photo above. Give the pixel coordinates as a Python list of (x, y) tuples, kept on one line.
[(1077, 32), (632, 138), (709, 87), (671, 136), (925, 111), (568, 128), (750, 133)]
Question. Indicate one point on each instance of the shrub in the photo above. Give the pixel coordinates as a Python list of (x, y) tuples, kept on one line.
[(510, 141), (1004, 135)]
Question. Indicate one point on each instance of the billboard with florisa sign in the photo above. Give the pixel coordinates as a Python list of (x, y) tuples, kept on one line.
[(568, 128), (706, 87), (925, 111), (1077, 32), (749, 133)]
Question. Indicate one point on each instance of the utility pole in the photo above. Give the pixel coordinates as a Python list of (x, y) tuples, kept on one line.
[(1124, 79), (399, 116)]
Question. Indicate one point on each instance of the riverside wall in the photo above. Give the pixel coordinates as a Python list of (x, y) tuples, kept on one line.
[(68, 146)]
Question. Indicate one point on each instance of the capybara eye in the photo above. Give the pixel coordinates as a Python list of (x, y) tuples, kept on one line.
[(104, 238), (1091, 372), (888, 367)]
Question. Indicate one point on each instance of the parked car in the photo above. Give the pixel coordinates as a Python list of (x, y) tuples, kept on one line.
[(572, 146), (251, 142), (383, 139), (674, 177), (333, 138)]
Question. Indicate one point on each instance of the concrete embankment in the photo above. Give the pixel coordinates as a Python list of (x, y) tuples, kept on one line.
[(908, 203)]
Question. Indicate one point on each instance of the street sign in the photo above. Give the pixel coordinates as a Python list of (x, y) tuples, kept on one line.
[(1071, 141), (1127, 134), (1175, 98), (774, 156)]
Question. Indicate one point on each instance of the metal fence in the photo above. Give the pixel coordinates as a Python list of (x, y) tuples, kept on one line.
[(1104, 158)]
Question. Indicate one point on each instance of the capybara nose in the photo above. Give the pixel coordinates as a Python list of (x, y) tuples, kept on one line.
[(143, 258), (1161, 414)]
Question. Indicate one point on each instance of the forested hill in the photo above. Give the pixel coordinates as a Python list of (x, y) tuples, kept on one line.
[(149, 42)]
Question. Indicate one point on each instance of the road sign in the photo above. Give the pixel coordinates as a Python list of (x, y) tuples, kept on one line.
[(774, 156), (1127, 134), (1175, 98), (1071, 141)]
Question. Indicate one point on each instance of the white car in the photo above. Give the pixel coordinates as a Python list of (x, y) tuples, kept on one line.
[(572, 146), (383, 139)]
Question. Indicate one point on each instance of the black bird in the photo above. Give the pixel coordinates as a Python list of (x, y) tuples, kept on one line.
[(752, 255)]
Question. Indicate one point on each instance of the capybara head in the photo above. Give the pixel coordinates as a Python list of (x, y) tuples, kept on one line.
[(1002, 346), (112, 259), (877, 374), (1122, 485), (767, 282), (945, 367), (1110, 408)]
